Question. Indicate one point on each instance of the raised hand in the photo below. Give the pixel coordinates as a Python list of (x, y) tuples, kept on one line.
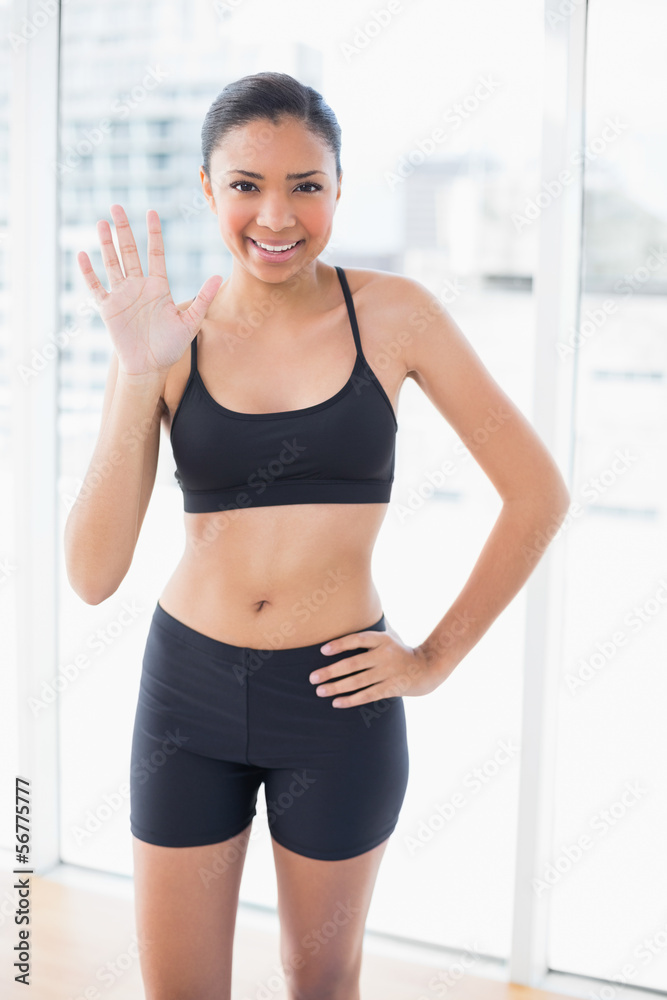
[(148, 332)]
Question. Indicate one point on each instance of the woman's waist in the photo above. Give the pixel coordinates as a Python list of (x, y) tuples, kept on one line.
[(299, 609)]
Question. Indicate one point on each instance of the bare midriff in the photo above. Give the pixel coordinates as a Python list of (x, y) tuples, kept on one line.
[(277, 577)]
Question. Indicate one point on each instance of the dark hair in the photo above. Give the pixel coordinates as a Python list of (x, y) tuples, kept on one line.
[(268, 95)]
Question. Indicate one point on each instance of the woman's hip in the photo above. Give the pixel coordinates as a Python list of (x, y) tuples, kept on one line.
[(255, 705)]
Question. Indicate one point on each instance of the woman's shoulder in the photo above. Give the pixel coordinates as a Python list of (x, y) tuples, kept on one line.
[(378, 284), (386, 303)]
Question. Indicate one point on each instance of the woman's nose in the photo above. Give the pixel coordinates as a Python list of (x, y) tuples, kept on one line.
[(275, 214)]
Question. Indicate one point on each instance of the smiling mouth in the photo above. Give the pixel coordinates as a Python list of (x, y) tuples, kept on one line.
[(280, 249)]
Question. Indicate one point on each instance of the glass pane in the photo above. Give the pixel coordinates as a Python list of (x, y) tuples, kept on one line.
[(609, 880), (432, 176)]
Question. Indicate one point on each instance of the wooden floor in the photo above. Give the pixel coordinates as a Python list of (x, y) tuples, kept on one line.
[(76, 932)]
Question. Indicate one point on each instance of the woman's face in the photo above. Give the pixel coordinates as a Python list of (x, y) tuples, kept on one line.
[(255, 199)]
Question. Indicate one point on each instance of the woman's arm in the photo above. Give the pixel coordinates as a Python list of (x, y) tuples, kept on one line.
[(150, 334), (535, 498), (103, 525)]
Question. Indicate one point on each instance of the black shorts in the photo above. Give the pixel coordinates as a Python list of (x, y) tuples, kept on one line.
[(214, 721)]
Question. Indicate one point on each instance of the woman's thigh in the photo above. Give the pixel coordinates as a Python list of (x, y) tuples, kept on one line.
[(186, 900), (323, 907), (191, 818)]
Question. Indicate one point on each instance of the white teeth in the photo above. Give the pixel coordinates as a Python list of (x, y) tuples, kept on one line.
[(275, 249)]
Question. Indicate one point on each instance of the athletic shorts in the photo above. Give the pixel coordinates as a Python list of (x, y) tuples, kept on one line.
[(215, 721)]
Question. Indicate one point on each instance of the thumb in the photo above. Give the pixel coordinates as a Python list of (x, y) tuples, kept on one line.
[(194, 315)]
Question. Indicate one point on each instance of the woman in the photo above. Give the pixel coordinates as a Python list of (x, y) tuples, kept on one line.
[(286, 471)]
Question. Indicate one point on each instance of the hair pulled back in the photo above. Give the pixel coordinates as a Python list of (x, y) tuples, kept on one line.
[(271, 96)]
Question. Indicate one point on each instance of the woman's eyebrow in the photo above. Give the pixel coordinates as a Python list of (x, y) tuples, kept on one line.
[(260, 177)]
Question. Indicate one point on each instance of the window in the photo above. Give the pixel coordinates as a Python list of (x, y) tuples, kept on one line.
[(159, 128), (608, 896), (119, 161), (158, 161)]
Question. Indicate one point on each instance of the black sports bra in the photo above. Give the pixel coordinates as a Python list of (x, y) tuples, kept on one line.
[(338, 451)]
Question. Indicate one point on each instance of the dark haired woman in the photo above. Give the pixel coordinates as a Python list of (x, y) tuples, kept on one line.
[(279, 387)]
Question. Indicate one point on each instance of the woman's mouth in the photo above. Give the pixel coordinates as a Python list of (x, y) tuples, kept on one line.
[(279, 253)]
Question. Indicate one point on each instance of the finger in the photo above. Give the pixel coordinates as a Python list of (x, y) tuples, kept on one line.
[(194, 316), (369, 638), (371, 689), (156, 262), (366, 697), (337, 685), (99, 292), (339, 668), (128, 248), (109, 258)]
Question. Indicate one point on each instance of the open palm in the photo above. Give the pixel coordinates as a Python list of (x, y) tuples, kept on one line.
[(148, 332)]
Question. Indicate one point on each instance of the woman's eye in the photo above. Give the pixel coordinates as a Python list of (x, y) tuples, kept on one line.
[(306, 184)]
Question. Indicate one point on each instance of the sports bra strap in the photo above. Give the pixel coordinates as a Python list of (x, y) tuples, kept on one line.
[(350, 309), (193, 355)]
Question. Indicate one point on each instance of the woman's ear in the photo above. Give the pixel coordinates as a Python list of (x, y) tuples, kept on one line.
[(339, 190), (208, 190)]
